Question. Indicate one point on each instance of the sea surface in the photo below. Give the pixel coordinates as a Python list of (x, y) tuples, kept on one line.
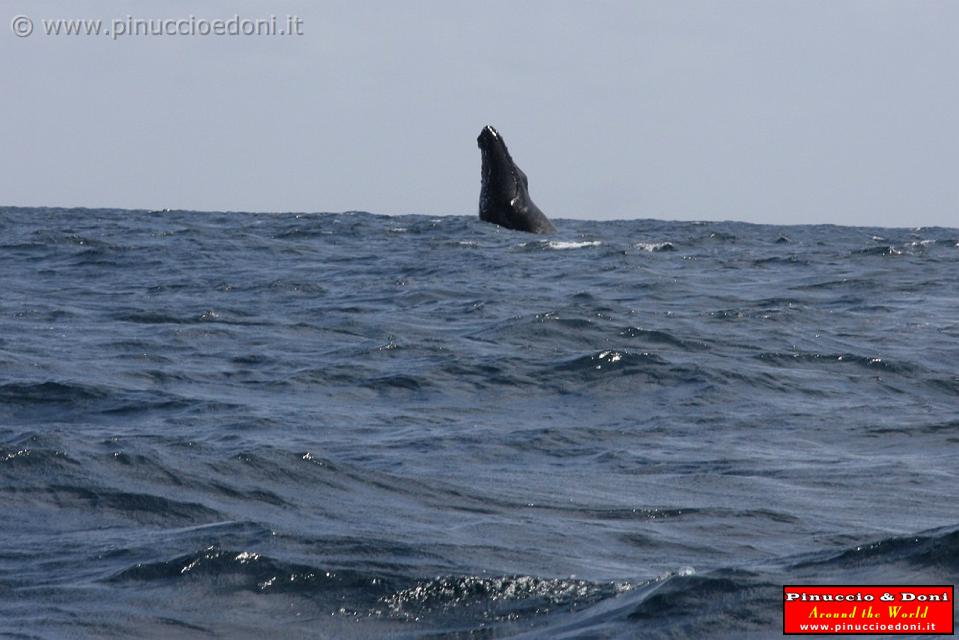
[(241, 425)]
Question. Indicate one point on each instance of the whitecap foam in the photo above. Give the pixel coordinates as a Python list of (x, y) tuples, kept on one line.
[(654, 246), (559, 244)]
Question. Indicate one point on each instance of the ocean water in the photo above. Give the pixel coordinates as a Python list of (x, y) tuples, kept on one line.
[(245, 425)]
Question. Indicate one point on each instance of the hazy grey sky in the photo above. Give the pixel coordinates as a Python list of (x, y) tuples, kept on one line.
[(769, 111)]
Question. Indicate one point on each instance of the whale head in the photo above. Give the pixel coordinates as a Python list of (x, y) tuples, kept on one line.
[(502, 179), (504, 193)]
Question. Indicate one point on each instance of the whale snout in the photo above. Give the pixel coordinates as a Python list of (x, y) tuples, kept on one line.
[(487, 135)]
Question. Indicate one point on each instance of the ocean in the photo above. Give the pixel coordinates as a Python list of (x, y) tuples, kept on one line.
[(242, 425)]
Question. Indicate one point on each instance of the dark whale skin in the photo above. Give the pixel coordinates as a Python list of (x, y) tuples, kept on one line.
[(504, 193)]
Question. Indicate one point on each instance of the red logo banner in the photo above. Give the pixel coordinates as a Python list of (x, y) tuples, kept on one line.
[(868, 609)]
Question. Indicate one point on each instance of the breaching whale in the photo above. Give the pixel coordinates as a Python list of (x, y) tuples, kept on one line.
[(504, 194)]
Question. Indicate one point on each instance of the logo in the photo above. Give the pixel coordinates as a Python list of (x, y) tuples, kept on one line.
[(868, 609)]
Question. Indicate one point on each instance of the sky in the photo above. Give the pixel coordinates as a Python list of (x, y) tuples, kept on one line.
[(770, 111)]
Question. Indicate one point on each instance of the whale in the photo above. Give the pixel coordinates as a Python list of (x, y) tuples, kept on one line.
[(504, 192)]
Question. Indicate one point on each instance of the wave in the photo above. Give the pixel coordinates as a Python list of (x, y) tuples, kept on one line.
[(663, 337), (875, 363), (115, 505), (500, 598), (559, 245), (252, 571), (49, 392), (231, 317), (937, 550), (34, 401), (779, 261), (441, 600), (881, 250), (655, 246)]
